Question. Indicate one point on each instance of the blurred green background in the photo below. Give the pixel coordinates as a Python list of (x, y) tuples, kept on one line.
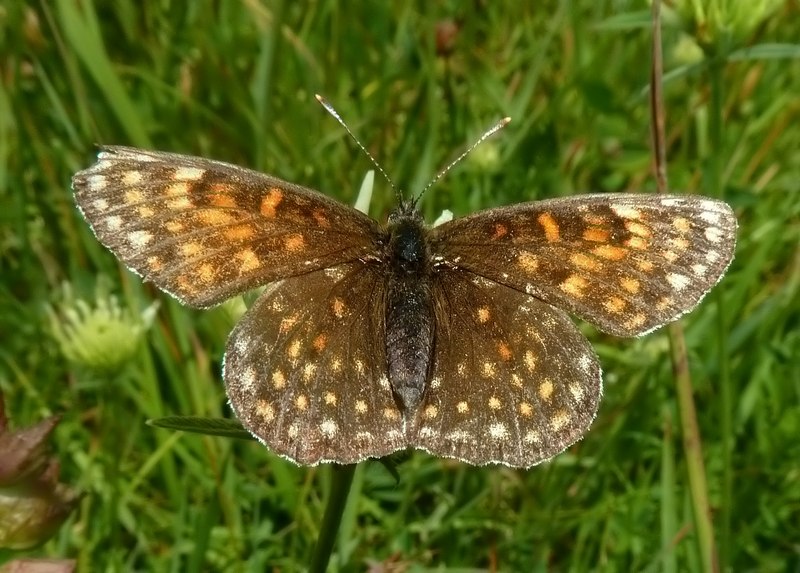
[(416, 82)]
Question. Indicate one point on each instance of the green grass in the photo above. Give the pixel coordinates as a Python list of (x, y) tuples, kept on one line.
[(236, 82)]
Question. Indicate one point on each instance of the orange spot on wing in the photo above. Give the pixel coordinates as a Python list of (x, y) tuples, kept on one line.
[(610, 252), (635, 321), (614, 304), (180, 203), (222, 200), (630, 284), (681, 224), (636, 243), (500, 231), (294, 243), (680, 243), (248, 261), (186, 285), (527, 261), (638, 229), (596, 235), (174, 227), (549, 226), (155, 264), (271, 201), (338, 307), (206, 273), (320, 218), (320, 342), (239, 233), (574, 285), (133, 196), (288, 322), (177, 189), (190, 249), (215, 218), (504, 351), (583, 261)]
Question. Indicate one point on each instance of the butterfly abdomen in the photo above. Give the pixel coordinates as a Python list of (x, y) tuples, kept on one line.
[(409, 310)]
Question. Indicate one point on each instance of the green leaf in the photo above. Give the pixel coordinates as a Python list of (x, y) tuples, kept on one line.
[(627, 21), (199, 425), (766, 52)]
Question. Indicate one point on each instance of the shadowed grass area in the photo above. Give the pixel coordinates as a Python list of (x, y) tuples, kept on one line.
[(416, 82)]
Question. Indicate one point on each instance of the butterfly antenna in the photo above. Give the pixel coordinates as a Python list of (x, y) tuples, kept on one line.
[(486, 135), (330, 109)]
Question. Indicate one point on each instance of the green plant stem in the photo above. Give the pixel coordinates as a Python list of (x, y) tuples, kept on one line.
[(726, 400), (693, 450), (342, 479)]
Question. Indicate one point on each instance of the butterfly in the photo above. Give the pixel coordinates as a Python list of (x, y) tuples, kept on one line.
[(373, 338)]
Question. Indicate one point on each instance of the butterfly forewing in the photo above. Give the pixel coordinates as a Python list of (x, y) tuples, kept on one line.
[(626, 263), (205, 230), (305, 369), (504, 388)]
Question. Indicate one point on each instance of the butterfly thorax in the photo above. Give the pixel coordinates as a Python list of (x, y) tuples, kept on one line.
[(408, 248), (409, 307)]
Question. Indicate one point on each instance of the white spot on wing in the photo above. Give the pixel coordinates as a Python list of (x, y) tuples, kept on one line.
[(114, 223), (498, 431), (532, 437), (328, 427), (626, 211), (249, 379), (140, 238), (710, 217), (97, 182), (677, 281), (132, 177), (585, 363), (713, 234), (576, 390), (188, 173), (425, 432)]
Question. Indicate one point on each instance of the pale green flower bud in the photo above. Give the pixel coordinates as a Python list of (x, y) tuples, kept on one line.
[(724, 22), (102, 337)]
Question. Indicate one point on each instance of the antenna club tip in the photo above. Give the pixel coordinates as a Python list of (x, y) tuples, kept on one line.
[(505, 121), (319, 98)]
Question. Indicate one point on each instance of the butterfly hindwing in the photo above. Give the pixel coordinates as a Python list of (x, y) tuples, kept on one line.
[(626, 263), (305, 368), (205, 230), (503, 388)]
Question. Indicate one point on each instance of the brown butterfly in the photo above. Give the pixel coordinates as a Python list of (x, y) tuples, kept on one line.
[(378, 337)]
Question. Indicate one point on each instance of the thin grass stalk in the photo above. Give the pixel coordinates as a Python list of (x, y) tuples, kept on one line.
[(715, 187), (680, 361)]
